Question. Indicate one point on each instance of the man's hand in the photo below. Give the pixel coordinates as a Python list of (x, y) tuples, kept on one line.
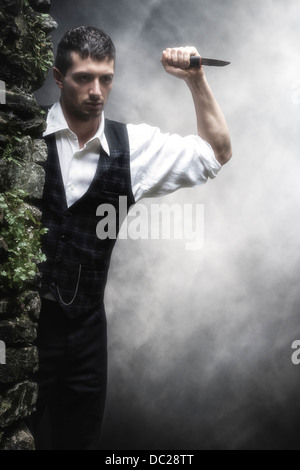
[(176, 62), (211, 122)]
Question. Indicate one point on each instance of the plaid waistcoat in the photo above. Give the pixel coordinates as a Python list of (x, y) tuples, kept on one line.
[(77, 260)]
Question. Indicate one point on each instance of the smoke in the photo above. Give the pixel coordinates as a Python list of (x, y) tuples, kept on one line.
[(200, 342)]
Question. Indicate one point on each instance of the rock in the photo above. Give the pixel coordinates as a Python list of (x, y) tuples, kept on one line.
[(21, 103), (33, 308), (4, 305), (19, 330), (3, 250), (3, 141), (9, 309), (33, 127), (23, 148), (5, 183), (28, 303), (18, 438), (29, 177), (40, 5), (25, 58), (26, 48), (17, 403), (10, 123), (20, 363), (29, 150), (40, 151), (3, 123), (12, 6), (47, 23)]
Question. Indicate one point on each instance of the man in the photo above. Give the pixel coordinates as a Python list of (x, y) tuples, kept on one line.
[(94, 161)]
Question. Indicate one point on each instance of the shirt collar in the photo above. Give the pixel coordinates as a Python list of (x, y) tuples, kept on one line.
[(56, 122)]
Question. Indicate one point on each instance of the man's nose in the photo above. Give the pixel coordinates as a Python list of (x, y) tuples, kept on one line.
[(95, 90)]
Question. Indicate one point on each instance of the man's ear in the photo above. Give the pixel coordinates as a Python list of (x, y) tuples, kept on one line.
[(58, 77)]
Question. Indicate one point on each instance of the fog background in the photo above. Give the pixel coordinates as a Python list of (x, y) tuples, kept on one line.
[(200, 342)]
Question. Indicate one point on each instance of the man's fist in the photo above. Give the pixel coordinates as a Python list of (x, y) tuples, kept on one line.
[(176, 62)]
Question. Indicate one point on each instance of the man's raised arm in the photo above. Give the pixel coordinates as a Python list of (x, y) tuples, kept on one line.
[(211, 122)]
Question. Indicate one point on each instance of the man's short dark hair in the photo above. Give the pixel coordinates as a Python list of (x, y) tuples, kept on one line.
[(87, 41)]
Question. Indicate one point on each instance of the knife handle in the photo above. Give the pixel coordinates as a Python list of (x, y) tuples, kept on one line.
[(195, 61)]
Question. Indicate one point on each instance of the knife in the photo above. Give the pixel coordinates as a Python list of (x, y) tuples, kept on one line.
[(197, 61)]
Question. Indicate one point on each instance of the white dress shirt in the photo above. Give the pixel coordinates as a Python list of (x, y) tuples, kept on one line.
[(159, 163)]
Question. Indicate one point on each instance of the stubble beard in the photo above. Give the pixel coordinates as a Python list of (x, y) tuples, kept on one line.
[(86, 116), (81, 114)]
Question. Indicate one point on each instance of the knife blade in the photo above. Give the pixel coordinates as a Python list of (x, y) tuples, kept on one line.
[(197, 61)]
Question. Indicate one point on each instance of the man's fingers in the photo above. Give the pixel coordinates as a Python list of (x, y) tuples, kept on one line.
[(178, 57), (186, 58)]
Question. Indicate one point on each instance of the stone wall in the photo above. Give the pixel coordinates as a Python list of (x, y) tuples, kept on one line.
[(25, 58)]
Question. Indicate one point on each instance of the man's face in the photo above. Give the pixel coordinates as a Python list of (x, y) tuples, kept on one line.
[(86, 87)]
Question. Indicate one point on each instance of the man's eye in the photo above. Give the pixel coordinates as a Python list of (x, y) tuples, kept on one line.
[(83, 78), (107, 80)]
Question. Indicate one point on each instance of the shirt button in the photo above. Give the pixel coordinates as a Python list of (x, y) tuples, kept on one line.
[(63, 237)]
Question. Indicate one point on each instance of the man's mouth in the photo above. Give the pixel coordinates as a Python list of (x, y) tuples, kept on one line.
[(94, 104)]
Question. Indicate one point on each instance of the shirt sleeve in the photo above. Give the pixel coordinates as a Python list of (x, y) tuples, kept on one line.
[(162, 163)]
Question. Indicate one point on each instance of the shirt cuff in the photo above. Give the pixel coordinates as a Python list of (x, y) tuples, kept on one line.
[(208, 158)]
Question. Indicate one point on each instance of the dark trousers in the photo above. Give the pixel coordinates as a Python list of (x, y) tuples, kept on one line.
[(72, 379)]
